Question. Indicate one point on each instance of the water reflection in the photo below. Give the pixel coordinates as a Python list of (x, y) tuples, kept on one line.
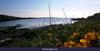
[(34, 22)]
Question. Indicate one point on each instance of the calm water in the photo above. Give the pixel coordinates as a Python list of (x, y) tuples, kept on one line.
[(34, 22)]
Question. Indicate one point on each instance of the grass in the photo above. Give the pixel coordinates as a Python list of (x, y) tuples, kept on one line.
[(81, 34)]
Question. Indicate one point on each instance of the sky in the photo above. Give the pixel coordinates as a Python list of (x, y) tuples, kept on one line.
[(39, 8)]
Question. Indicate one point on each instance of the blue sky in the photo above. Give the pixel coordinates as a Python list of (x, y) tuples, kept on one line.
[(39, 8)]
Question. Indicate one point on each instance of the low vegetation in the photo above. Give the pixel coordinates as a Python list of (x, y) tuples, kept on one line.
[(82, 34)]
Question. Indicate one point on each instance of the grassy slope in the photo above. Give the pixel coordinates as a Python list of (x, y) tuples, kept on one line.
[(50, 36)]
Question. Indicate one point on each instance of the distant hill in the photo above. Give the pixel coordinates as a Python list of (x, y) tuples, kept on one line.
[(6, 18), (95, 16)]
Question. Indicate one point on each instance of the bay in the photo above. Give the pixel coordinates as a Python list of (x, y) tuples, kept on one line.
[(27, 23)]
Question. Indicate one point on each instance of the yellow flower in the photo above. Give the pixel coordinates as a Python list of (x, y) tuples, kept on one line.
[(72, 42), (66, 44), (89, 33), (88, 41), (78, 45), (98, 37), (88, 37), (93, 37), (70, 46), (83, 41), (75, 34)]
